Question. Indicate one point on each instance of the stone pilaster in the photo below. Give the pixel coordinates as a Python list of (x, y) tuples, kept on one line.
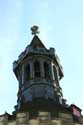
[(22, 118), (42, 69), (44, 118), (51, 72), (66, 119), (31, 70), (22, 74), (3, 120)]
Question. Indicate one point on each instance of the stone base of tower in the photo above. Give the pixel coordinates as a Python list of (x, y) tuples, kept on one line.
[(42, 118)]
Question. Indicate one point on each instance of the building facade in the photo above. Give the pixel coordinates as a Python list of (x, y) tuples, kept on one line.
[(40, 97)]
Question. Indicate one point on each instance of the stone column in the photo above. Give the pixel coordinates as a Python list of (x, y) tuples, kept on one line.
[(42, 69), (44, 118), (57, 69), (51, 72), (3, 120), (23, 75), (31, 70), (22, 118), (66, 118)]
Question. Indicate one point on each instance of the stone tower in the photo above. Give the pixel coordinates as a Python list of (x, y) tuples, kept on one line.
[(40, 99), (38, 71)]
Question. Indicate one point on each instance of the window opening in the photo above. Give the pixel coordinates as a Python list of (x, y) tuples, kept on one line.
[(37, 69), (46, 70), (55, 75), (27, 72)]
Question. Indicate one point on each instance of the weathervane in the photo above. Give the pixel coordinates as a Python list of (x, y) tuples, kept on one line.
[(34, 30)]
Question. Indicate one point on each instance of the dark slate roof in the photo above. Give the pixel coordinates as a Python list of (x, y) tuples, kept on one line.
[(36, 42)]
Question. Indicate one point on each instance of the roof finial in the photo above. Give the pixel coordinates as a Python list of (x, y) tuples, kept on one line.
[(34, 30)]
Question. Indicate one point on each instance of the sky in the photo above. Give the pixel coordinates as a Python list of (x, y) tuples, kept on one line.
[(61, 26)]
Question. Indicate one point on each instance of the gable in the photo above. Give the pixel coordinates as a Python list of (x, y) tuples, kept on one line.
[(76, 110)]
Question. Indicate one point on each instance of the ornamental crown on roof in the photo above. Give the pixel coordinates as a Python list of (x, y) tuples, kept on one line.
[(34, 30)]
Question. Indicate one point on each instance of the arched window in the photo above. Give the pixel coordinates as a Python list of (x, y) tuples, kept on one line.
[(27, 72), (46, 70), (37, 69)]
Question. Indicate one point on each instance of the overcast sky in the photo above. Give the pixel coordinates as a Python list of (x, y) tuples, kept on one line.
[(61, 27)]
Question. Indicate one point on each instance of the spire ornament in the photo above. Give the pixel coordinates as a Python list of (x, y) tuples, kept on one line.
[(34, 30)]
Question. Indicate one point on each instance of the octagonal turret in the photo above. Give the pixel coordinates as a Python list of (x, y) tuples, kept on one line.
[(38, 71)]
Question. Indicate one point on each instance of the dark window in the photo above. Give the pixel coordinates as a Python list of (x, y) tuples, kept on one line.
[(46, 70), (27, 72), (37, 69)]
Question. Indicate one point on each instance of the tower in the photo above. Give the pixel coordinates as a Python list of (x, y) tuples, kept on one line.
[(38, 71), (40, 98)]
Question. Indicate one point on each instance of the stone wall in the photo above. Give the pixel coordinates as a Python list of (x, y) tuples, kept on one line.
[(44, 118)]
